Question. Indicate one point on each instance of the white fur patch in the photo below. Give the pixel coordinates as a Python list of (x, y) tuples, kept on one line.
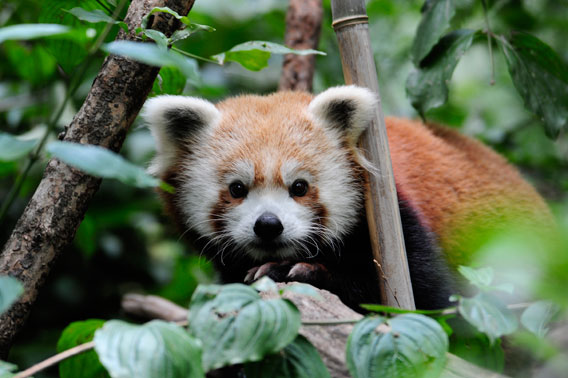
[(363, 100), (154, 113)]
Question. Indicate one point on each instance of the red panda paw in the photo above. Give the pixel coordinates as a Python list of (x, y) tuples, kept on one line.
[(285, 271)]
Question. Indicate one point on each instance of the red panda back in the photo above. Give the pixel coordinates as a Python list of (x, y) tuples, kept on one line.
[(460, 188)]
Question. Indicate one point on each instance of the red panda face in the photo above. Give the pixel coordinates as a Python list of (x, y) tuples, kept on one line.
[(272, 177)]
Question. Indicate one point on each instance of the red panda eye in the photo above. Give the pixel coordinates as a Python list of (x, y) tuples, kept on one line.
[(299, 188), (238, 189)]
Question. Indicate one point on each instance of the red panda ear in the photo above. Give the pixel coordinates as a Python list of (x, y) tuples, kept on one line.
[(174, 122), (348, 109)]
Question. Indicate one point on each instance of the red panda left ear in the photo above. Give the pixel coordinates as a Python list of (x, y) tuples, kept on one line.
[(175, 121), (348, 109)]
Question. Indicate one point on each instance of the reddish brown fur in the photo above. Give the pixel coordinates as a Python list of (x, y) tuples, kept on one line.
[(453, 182)]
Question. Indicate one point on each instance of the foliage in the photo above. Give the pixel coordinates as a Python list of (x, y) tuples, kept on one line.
[(538, 73), (49, 54)]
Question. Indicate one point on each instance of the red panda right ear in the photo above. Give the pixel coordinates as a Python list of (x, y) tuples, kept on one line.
[(174, 122), (348, 109)]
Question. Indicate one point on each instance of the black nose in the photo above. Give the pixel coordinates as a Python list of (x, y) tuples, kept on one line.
[(268, 226)]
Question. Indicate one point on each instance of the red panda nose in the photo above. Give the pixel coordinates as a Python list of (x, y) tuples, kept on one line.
[(268, 226)]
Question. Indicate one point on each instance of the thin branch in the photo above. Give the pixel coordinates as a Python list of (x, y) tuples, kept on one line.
[(194, 56), (54, 360)]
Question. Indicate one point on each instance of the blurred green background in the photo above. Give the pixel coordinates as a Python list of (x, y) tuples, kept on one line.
[(126, 243)]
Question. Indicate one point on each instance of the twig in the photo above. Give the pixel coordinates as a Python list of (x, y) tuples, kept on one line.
[(53, 360)]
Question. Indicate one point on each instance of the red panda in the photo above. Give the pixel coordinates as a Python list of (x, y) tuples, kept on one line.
[(274, 186)]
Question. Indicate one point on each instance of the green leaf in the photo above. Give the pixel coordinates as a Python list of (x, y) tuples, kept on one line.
[(409, 345), (236, 325), (486, 313), (93, 16), (254, 55), (538, 315), (167, 10), (158, 37), (31, 31), (155, 349), (436, 17), (100, 162), (155, 56), (7, 370), (10, 291), (32, 62), (84, 365), (427, 86), (169, 81), (541, 78), (300, 359), (482, 277), (69, 52), (12, 148), (188, 31)]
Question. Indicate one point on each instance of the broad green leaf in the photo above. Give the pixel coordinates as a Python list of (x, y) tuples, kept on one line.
[(300, 359), (155, 56), (254, 55), (169, 81), (7, 370), (10, 291), (190, 26), (541, 78), (155, 349), (12, 148), (188, 31), (236, 325), (100, 162), (538, 315), (486, 313), (158, 37), (69, 52), (476, 348), (409, 345), (436, 17), (183, 19), (84, 365), (31, 31), (427, 86), (481, 278), (32, 62), (93, 16)]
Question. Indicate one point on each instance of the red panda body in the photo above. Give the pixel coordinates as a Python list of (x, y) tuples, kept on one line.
[(274, 186)]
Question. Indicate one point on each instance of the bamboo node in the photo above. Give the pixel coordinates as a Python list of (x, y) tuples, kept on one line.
[(350, 20)]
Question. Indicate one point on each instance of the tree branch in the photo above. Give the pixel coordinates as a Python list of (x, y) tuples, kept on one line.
[(326, 322), (58, 206), (303, 25)]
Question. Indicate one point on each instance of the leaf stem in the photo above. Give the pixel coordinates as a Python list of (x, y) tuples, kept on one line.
[(489, 44), (329, 322), (194, 56), (53, 360)]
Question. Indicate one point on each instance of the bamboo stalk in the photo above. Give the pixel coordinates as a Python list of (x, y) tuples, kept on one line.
[(352, 31)]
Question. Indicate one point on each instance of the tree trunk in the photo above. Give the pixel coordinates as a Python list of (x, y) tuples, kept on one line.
[(52, 216), (303, 25)]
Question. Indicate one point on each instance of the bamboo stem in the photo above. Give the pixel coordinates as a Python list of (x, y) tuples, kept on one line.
[(383, 216)]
